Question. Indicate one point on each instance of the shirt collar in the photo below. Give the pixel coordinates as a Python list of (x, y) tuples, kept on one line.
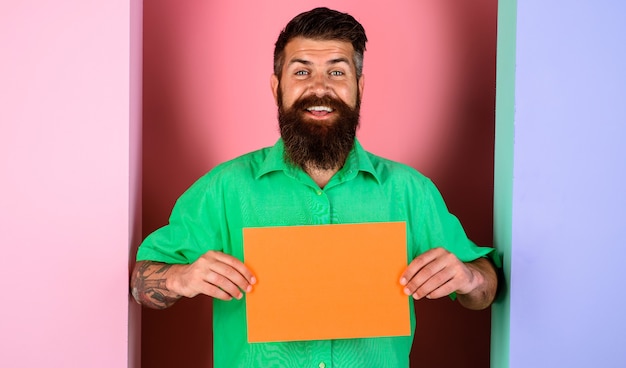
[(358, 160)]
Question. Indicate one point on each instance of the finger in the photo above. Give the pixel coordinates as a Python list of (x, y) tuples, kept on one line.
[(422, 268), (435, 286), (224, 283), (417, 264), (448, 275), (427, 279), (214, 291), (238, 266), (441, 291)]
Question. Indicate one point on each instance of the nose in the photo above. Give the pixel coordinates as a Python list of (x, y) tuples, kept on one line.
[(319, 85)]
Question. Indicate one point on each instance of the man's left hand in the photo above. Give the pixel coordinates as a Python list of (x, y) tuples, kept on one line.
[(437, 273)]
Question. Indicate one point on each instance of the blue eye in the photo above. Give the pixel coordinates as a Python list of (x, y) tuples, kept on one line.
[(336, 73), (302, 72)]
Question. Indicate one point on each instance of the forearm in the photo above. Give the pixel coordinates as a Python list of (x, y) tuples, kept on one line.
[(148, 285), (486, 281)]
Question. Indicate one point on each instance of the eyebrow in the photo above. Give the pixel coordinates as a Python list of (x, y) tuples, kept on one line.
[(329, 62)]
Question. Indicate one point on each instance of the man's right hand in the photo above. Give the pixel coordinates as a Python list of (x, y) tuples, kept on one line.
[(159, 285), (214, 274)]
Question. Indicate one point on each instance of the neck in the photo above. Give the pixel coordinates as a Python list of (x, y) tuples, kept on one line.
[(321, 177)]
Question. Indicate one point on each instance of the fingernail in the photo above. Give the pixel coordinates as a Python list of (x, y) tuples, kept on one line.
[(407, 291), (249, 288), (253, 280), (403, 281), (415, 296)]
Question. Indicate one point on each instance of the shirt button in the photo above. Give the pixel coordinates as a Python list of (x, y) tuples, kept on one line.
[(319, 192), (322, 365)]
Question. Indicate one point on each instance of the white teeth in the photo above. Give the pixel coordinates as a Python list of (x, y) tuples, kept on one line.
[(320, 108)]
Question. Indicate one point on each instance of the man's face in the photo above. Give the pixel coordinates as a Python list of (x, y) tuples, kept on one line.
[(318, 100), (318, 68)]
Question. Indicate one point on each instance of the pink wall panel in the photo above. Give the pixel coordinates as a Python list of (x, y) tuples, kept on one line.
[(428, 102), (64, 188), (135, 163)]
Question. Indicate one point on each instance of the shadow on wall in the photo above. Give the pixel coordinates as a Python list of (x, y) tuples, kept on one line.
[(429, 102)]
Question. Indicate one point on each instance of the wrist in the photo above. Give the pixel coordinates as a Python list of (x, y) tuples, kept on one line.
[(475, 279), (172, 281)]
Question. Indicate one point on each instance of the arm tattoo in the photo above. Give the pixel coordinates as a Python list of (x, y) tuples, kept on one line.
[(149, 286)]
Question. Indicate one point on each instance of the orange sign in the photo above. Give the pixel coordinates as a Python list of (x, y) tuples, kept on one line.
[(326, 282)]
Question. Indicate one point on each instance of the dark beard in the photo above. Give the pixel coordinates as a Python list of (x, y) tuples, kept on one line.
[(318, 144)]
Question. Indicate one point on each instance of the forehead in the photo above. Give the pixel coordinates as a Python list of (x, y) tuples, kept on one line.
[(315, 50)]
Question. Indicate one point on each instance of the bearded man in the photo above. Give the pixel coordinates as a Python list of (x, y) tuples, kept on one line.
[(317, 173)]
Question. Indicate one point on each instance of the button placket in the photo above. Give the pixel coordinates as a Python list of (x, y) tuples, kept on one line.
[(320, 207), (321, 354)]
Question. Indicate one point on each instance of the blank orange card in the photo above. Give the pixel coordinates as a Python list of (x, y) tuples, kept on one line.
[(326, 282)]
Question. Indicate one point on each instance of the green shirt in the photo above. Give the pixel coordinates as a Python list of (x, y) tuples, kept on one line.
[(260, 189)]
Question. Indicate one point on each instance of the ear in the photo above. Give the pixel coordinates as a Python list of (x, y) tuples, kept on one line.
[(274, 84), (361, 84)]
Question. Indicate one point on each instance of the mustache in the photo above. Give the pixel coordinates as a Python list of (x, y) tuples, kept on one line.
[(335, 104)]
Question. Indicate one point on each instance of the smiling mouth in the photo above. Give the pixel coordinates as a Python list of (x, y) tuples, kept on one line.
[(319, 110)]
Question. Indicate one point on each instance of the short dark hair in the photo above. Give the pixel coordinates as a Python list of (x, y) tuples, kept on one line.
[(322, 24)]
